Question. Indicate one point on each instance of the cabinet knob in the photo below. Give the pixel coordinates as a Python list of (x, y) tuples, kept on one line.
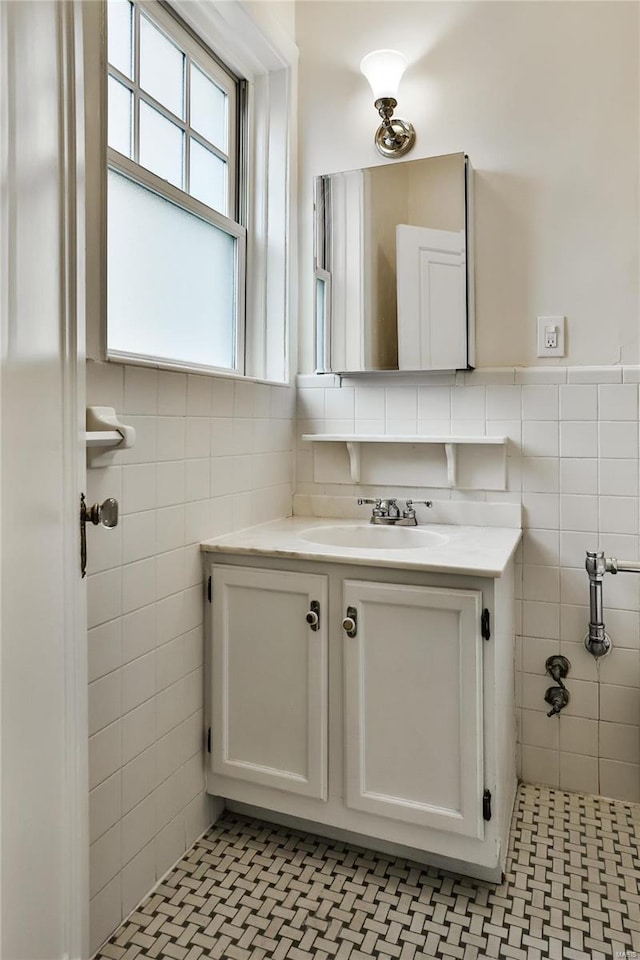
[(313, 615), (350, 622)]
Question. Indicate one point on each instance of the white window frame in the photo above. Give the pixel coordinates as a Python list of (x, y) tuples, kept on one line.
[(206, 61), (266, 58)]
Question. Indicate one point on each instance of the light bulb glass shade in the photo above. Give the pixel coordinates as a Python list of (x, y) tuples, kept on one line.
[(383, 69)]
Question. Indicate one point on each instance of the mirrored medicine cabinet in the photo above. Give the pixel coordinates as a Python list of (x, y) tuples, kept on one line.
[(394, 267)]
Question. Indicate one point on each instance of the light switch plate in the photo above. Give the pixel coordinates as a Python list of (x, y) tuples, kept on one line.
[(550, 329)]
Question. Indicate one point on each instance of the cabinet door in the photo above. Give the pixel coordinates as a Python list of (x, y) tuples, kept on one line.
[(269, 679), (413, 700)]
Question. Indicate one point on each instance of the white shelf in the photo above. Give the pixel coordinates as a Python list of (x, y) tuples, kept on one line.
[(451, 443)]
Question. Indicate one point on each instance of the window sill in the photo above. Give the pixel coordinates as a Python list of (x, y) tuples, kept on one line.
[(190, 368)]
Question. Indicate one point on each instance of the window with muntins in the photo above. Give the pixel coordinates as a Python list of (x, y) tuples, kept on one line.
[(176, 246)]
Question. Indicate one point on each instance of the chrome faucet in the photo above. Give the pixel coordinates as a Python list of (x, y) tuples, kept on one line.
[(386, 511)]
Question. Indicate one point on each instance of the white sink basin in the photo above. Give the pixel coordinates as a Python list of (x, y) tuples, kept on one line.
[(370, 537)]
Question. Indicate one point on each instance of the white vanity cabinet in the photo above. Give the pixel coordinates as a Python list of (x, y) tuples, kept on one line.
[(395, 730)]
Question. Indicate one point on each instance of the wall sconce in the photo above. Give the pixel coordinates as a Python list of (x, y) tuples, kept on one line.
[(383, 69)]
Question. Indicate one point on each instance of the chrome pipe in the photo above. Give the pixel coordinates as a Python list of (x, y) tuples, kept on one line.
[(623, 566), (597, 641), (595, 602)]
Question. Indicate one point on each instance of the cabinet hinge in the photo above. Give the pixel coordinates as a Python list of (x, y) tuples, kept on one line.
[(486, 805), (485, 625), (209, 740), (209, 589)]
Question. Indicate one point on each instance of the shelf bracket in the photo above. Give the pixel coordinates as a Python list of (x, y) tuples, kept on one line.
[(354, 449), (451, 451)]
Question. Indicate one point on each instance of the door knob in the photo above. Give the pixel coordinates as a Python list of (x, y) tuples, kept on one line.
[(105, 513)]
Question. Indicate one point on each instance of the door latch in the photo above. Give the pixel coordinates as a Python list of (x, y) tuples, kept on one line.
[(105, 513)]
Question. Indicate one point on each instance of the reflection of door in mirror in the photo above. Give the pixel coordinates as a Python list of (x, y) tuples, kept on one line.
[(431, 302), (387, 309)]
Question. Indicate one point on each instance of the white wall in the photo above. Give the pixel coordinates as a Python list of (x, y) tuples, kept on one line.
[(211, 456), (544, 99), (276, 18)]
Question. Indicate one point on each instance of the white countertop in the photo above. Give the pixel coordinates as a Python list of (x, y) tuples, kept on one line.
[(478, 551)]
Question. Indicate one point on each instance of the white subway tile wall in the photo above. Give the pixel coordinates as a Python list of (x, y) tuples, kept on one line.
[(573, 463), (211, 456)]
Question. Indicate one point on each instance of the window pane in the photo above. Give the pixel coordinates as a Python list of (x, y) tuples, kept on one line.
[(208, 178), (119, 117), (208, 109), (160, 145), (119, 25), (172, 280), (161, 68)]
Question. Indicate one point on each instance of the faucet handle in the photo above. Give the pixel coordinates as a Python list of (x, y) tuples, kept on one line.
[(558, 698), (378, 509), (410, 511)]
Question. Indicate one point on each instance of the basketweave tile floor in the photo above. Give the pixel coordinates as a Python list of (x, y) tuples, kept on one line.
[(249, 890)]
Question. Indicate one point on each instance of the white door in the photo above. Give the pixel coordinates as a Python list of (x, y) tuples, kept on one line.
[(44, 888), (269, 678), (432, 298), (413, 702)]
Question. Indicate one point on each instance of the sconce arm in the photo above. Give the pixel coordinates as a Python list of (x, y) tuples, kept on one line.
[(394, 137), (385, 107)]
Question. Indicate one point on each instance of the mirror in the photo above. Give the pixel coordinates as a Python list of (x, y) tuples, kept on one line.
[(393, 267)]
